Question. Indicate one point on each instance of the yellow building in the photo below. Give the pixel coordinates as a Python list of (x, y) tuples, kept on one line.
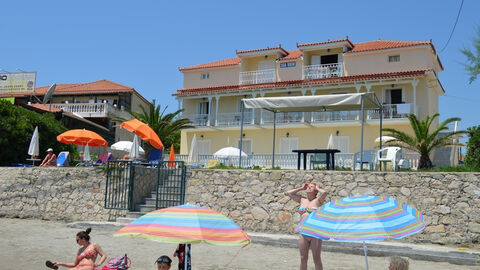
[(403, 75)]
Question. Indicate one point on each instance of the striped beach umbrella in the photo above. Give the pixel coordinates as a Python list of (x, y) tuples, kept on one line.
[(363, 218), (186, 224)]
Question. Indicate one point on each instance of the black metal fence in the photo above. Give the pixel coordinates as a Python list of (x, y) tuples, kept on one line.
[(171, 184), (119, 185)]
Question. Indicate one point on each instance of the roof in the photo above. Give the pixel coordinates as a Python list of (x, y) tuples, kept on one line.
[(44, 108), (292, 55), (385, 44), (221, 63), (361, 77), (325, 42), (263, 50)]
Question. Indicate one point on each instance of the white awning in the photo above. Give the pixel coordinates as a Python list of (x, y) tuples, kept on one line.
[(338, 102)]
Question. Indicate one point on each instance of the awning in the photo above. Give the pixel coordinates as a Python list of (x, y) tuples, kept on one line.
[(337, 102)]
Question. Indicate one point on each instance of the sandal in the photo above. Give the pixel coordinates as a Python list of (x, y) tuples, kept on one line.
[(49, 264)]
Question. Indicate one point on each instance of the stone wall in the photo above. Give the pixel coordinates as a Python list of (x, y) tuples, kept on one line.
[(53, 193), (450, 202)]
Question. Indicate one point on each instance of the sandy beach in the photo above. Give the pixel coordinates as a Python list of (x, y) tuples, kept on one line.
[(27, 244)]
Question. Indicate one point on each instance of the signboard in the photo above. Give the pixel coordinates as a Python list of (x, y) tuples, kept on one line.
[(288, 64), (17, 82)]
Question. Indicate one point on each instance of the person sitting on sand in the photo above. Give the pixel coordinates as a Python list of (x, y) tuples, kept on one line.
[(50, 159), (163, 262), (87, 254), (398, 263), (308, 205)]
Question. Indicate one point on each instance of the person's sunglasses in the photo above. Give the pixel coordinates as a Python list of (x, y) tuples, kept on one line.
[(164, 260)]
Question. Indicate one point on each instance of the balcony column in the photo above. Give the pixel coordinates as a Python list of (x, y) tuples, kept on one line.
[(312, 91), (180, 104), (254, 95), (217, 99), (304, 91), (358, 87), (209, 110), (414, 85), (262, 94), (368, 86)]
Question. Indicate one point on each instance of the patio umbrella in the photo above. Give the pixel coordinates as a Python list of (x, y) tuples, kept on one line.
[(228, 152), (171, 157), (385, 139), (82, 137), (363, 218), (330, 144), (193, 153), (86, 153), (135, 148), (126, 146), (186, 224), (143, 131), (34, 144)]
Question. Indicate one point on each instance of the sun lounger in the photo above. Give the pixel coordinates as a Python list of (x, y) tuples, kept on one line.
[(63, 159)]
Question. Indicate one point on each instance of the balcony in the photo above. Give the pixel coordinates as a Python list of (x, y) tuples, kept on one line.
[(92, 110), (258, 76), (318, 117), (392, 111), (198, 120), (322, 71), (283, 118), (234, 119)]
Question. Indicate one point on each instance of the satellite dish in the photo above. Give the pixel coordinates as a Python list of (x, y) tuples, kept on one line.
[(49, 93)]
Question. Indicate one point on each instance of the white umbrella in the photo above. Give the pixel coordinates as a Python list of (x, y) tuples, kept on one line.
[(135, 149), (34, 144), (193, 154), (385, 139), (228, 152), (86, 154), (330, 144), (126, 146)]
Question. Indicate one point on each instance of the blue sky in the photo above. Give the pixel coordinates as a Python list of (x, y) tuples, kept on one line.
[(142, 43)]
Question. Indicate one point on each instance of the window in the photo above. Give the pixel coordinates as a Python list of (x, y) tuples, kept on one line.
[(329, 59), (205, 76), (247, 145), (393, 96), (203, 107), (342, 143), (394, 58), (288, 144), (203, 147)]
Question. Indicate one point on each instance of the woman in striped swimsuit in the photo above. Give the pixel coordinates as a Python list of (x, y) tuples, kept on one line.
[(315, 198)]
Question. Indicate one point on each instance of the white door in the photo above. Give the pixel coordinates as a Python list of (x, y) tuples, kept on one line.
[(266, 64), (203, 147), (287, 145), (247, 146), (315, 60), (342, 143)]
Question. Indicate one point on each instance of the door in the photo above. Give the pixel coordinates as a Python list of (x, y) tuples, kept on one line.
[(287, 145), (342, 143), (393, 96), (203, 147), (247, 146)]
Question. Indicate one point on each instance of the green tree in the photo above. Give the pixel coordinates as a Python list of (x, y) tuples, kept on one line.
[(472, 159), (473, 58), (166, 125), (424, 140), (16, 129)]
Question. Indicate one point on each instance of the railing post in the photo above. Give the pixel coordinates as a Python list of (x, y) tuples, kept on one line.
[(131, 186)]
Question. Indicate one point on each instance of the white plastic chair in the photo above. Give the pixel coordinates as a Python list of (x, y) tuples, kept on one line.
[(389, 154)]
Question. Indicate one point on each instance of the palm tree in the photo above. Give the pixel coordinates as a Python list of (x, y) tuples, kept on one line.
[(166, 125), (473, 58), (423, 141)]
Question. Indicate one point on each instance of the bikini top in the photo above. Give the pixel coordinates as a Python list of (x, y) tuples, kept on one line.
[(89, 254), (302, 210)]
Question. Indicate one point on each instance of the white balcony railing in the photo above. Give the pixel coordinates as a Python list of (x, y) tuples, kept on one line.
[(392, 111), (335, 116), (283, 118), (198, 120), (258, 76), (322, 71), (92, 109), (234, 119)]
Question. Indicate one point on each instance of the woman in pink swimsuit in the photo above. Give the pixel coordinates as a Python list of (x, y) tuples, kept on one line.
[(87, 254), (315, 198)]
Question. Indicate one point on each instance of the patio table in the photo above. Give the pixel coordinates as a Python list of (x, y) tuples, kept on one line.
[(330, 153)]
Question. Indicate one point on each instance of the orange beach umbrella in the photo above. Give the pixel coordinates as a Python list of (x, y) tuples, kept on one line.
[(82, 137), (143, 131)]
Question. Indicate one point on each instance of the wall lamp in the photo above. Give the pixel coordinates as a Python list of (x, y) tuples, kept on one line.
[(288, 134), (201, 136)]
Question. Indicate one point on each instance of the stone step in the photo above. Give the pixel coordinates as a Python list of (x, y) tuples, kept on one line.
[(152, 201), (134, 215)]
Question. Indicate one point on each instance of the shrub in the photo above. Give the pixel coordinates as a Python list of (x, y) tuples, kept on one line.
[(472, 159)]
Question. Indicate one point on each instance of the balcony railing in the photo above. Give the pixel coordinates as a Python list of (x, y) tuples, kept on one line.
[(283, 118), (392, 111), (234, 119), (258, 76), (198, 120), (335, 116), (92, 109), (322, 71)]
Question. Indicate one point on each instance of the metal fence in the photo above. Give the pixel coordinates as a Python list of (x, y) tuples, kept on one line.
[(119, 185), (171, 184)]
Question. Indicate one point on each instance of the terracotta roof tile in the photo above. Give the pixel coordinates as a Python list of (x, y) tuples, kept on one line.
[(385, 44), (292, 55), (324, 42), (222, 63), (44, 107), (375, 76), (263, 49)]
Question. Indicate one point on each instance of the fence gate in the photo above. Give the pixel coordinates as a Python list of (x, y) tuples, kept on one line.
[(171, 184), (119, 185)]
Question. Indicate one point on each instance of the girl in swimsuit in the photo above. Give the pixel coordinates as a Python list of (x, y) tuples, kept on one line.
[(86, 255), (315, 198)]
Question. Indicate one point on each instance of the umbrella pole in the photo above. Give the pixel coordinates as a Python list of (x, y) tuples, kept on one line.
[(365, 252)]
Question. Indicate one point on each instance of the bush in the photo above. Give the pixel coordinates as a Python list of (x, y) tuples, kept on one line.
[(472, 159), (16, 129)]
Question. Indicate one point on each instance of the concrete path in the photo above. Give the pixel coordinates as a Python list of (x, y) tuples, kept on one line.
[(27, 244)]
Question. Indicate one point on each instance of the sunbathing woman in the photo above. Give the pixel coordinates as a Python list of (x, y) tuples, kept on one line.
[(87, 254), (308, 205)]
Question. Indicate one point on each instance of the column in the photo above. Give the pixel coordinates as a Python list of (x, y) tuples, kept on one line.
[(252, 113), (414, 85), (217, 99), (358, 87), (262, 94), (209, 110), (304, 91)]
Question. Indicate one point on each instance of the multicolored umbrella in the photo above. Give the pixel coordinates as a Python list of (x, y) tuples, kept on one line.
[(363, 218), (186, 224)]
